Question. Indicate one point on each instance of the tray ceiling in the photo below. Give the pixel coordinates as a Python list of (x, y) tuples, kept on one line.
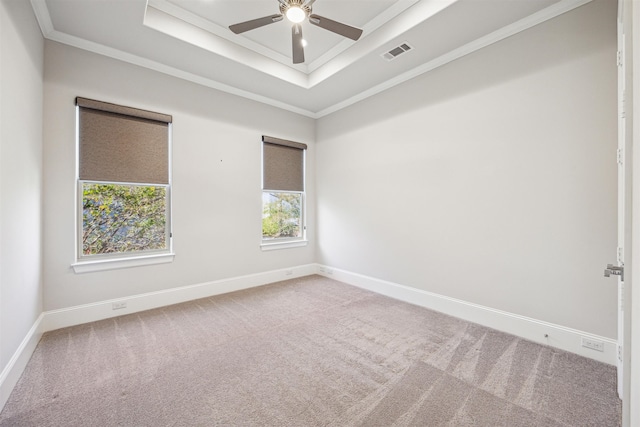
[(190, 39)]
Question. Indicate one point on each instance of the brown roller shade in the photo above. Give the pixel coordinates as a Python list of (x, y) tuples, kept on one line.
[(120, 109), (286, 143), (283, 165), (122, 144)]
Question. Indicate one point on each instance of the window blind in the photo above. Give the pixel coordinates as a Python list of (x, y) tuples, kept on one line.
[(122, 144), (283, 164)]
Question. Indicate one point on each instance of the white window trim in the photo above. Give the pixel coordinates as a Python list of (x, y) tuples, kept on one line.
[(272, 246), (118, 263), (88, 264), (286, 243), (81, 258), (289, 242)]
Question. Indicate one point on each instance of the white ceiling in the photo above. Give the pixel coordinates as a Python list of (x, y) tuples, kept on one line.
[(190, 39)]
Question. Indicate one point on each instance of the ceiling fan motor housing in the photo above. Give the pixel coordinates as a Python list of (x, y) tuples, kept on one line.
[(306, 8), (296, 11)]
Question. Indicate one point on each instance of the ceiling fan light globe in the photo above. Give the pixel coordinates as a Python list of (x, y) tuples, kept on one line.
[(296, 14)]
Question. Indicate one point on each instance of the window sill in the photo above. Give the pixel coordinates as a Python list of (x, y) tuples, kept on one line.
[(118, 263), (283, 245)]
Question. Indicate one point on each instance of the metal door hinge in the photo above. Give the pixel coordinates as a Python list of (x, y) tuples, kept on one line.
[(619, 59), (614, 270), (620, 156)]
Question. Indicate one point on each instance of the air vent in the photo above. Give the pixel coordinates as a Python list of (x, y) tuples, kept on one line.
[(397, 51)]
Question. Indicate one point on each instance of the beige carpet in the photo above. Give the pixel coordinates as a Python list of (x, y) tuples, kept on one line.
[(305, 352)]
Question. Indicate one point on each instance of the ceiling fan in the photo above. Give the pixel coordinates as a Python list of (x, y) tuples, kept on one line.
[(296, 11)]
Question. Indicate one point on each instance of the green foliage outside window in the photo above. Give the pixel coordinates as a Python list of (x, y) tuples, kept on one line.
[(123, 218), (281, 215)]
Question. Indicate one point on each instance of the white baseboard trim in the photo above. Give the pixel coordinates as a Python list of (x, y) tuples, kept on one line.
[(530, 329), (12, 372), (56, 319), (62, 318)]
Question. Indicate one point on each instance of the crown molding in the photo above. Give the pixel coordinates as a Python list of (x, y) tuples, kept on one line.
[(46, 26), (494, 37)]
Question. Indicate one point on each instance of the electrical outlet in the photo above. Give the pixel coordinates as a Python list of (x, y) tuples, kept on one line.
[(288, 273), (323, 270), (118, 305), (592, 344), (329, 271)]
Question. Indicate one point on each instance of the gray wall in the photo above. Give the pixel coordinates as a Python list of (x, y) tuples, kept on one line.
[(491, 179), (216, 188), (21, 47)]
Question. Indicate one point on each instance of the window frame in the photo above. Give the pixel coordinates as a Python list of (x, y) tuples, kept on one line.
[(99, 262), (303, 227), (80, 220), (284, 242)]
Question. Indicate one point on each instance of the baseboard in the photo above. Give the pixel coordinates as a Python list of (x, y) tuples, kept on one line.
[(12, 372), (71, 316), (56, 319), (530, 329)]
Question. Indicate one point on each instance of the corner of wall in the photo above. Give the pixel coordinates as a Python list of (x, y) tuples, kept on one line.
[(14, 369)]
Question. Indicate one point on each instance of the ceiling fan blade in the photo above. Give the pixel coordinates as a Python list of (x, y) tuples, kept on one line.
[(296, 42), (345, 30), (255, 23)]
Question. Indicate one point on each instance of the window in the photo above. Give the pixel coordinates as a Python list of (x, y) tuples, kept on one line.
[(282, 191), (123, 182)]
